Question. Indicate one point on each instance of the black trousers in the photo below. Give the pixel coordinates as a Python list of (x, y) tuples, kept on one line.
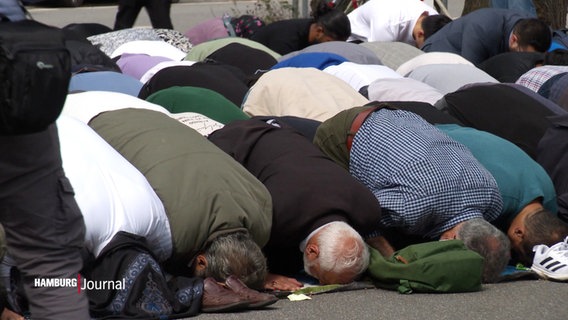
[(44, 226), (158, 11)]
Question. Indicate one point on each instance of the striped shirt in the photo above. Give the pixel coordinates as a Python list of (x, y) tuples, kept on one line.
[(425, 181)]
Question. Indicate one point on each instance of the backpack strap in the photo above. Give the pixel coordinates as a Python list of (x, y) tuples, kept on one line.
[(26, 12)]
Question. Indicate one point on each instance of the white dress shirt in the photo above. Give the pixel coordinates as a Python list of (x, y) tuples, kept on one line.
[(112, 194), (387, 20)]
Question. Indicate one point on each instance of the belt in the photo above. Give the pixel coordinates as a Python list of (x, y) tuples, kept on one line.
[(357, 123)]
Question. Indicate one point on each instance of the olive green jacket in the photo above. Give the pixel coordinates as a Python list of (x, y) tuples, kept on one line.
[(205, 192)]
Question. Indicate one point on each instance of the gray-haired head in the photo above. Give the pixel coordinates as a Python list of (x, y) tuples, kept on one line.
[(235, 254), (343, 254), (492, 244)]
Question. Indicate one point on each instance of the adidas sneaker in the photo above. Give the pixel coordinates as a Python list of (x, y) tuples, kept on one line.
[(551, 262)]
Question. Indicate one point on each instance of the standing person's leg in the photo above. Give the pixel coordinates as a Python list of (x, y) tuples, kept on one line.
[(44, 227), (128, 11), (159, 13)]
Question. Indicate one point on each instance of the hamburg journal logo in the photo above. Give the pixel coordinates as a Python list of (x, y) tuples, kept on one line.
[(80, 283)]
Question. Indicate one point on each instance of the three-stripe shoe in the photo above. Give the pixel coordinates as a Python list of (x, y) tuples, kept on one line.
[(551, 262)]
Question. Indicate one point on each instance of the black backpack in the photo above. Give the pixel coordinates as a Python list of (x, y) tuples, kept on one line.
[(124, 282), (142, 290), (35, 70)]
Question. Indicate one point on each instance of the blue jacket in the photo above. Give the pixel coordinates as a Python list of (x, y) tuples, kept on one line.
[(478, 35)]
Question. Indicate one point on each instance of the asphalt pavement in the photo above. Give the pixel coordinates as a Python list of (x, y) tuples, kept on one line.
[(520, 299), (185, 14)]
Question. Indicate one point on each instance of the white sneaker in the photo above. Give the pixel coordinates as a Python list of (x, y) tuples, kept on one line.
[(551, 263)]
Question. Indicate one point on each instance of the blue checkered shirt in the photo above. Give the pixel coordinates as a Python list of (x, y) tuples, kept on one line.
[(425, 181)]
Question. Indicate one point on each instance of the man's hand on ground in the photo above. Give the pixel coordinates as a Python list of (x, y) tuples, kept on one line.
[(279, 282)]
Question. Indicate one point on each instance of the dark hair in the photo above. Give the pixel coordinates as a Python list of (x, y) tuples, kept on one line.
[(557, 57), (333, 21), (533, 32), (541, 227), (431, 24)]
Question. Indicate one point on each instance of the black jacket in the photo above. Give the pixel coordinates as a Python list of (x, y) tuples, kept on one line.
[(552, 154), (308, 189), (285, 36)]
